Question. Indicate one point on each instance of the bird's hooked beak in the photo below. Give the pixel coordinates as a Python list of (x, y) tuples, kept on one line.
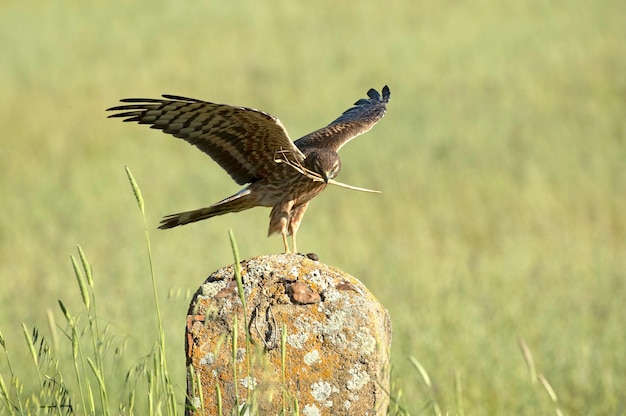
[(326, 177)]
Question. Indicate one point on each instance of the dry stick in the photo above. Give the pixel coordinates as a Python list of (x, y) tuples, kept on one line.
[(314, 176)]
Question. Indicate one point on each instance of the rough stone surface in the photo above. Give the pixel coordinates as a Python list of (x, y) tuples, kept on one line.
[(337, 345)]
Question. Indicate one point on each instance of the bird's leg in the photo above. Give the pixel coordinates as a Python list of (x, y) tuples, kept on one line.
[(293, 242), (279, 221), (284, 234), (294, 222)]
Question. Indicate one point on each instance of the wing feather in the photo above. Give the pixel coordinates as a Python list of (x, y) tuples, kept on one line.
[(243, 141), (356, 120)]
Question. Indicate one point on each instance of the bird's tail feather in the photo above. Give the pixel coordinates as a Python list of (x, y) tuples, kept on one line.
[(235, 203)]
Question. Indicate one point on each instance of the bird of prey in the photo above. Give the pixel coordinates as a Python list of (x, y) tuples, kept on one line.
[(254, 148)]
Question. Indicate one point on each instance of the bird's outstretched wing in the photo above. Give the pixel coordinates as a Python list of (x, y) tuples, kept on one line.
[(356, 120), (243, 141)]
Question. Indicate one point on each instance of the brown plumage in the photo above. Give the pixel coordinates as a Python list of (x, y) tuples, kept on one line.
[(254, 148)]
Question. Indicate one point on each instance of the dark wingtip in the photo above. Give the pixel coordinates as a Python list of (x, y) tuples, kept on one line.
[(373, 94), (386, 94), (167, 223), (116, 108)]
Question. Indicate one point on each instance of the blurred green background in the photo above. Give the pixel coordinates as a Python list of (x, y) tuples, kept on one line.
[(501, 160)]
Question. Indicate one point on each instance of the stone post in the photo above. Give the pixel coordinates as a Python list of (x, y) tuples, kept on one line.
[(317, 339)]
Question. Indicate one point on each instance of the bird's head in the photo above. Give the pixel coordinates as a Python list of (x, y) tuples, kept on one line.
[(324, 162)]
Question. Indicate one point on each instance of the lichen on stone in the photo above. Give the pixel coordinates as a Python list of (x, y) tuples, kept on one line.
[(311, 357), (297, 340), (208, 359), (321, 391), (311, 410), (209, 289), (363, 342), (358, 378), (248, 382), (241, 354)]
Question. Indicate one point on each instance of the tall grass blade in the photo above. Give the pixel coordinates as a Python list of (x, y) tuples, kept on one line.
[(96, 335), (81, 379), (237, 266), (6, 397), (65, 312), (164, 379), (395, 397), (426, 378), (218, 394), (31, 347), (136, 190), (551, 393), (422, 372), (195, 401), (234, 358), (131, 402), (283, 367), (201, 394), (528, 358), (81, 282), (101, 385), (242, 297), (86, 266)]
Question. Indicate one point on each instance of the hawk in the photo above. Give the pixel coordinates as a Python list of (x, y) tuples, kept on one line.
[(254, 148)]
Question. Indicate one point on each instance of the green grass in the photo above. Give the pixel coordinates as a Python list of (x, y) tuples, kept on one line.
[(146, 387), (501, 162)]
